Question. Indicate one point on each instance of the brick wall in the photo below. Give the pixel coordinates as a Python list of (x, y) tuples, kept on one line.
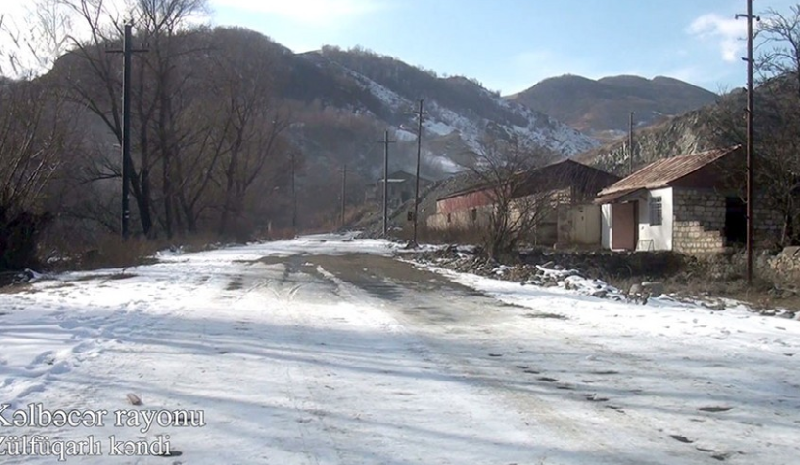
[(699, 221), (767, 226)]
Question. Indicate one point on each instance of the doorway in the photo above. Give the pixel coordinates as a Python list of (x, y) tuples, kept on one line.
[(735, 221), (624, 230)]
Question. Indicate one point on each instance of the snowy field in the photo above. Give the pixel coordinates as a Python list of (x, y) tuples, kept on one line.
[(288, 360)]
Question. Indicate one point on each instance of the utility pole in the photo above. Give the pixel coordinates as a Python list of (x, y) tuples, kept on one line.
[(127, 166), (419, 160), (344, 190), (294, 200), (386, 143), (630, 145), (750, 162)]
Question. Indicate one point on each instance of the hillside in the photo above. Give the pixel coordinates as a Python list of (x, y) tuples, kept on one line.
[(459, 113), (715, 125), (602, 108), (334, 106)]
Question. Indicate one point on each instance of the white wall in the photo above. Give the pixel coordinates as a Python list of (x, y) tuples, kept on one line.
[(656, 237), (605, 226)]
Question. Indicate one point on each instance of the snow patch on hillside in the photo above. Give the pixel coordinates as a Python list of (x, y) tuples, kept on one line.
[(438, 127), (541, 129), (404, 135), (447, 164)]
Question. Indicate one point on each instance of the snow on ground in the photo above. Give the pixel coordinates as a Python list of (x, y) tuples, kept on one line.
[(282, 362), (720, 380)]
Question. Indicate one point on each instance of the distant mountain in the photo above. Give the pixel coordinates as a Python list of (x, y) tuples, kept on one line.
[(602, 108), (459, 112)]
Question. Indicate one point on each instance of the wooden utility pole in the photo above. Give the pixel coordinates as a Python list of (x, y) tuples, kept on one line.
[(294, 199), (630, 145), (344, 190), (419, 160), (127, 166), (750, 161), (386, 143)]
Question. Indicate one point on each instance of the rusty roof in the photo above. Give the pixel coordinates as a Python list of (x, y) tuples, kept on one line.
[(575, 168), (663, 172)]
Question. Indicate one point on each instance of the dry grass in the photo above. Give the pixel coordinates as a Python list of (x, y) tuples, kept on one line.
[(440, 236), (758, 296), (18, 288), (112, 251)]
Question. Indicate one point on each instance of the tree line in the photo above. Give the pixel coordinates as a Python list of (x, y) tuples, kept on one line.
[(209, 147)]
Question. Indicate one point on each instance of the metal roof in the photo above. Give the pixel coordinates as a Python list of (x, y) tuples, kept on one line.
[(663, 172), (579, 173)]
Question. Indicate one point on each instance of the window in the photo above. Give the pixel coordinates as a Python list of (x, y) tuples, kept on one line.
[(473, 214), (655, 211), (449, 218)]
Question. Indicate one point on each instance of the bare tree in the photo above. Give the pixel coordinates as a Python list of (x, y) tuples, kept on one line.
[(34, 133), (516, 206), (777, 116), (246, 84), (778, 144), (779, 46), (164, 22), (158, 95)]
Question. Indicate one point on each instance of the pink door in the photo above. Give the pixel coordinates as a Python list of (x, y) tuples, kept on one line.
[(623, 226)]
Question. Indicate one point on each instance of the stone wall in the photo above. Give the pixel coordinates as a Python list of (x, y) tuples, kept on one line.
[(699, 221), (785, 267)]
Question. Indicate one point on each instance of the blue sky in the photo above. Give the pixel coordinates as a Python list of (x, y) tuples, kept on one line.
[(509, 45)]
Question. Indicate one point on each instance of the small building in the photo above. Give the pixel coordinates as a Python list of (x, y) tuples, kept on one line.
[(689, 204), (564, 190), (401, 187)]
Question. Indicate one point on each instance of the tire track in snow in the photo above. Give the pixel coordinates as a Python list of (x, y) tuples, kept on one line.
[(431, 311)]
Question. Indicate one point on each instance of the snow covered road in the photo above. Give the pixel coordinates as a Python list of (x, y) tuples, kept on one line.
[(328, 351)]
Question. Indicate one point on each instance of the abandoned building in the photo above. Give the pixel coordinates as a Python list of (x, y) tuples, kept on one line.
[(401, 187), (690, 204), (563, 193)]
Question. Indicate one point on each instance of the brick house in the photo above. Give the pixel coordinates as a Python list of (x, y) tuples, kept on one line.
[(689, 204), (569, 217)]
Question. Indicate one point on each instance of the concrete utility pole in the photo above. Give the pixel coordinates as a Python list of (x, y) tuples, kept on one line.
[(630, 145), (419, 160), (750, 161), (127, 53), (386, 143)]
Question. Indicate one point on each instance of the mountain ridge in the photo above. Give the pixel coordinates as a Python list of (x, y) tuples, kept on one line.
[(602, 107)]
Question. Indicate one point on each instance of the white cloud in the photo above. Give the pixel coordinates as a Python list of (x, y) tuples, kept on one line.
[(317, 12), (730, 33)]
